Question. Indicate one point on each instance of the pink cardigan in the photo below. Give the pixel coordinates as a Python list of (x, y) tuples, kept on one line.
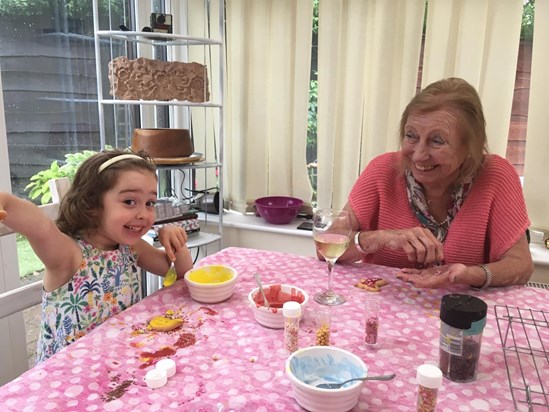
[(491, 220)]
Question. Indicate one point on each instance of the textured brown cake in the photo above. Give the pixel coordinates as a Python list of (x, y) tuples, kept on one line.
[(146, 79)]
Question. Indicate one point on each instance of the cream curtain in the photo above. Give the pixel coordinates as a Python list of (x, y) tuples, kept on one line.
[(200, 19), (536, 183), (268, 70), (477, 40), (367, 70)]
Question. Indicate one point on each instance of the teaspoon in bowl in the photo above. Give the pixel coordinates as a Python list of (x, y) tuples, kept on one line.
[(366, 378), (258, 280)]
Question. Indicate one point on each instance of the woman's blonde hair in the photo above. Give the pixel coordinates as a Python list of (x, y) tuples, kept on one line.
[(460, 98), (81, 208)]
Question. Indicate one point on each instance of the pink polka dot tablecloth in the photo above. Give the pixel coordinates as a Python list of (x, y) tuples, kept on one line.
[(226, 361)]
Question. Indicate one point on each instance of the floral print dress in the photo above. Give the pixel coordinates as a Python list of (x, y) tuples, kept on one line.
[(106, 283)]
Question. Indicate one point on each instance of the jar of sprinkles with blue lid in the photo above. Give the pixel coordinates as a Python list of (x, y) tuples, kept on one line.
[(462, 321)]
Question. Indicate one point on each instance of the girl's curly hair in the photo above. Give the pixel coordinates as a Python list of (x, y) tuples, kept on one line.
[(80, 209)]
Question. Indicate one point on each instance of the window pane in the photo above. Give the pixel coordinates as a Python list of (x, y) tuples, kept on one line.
[(516, 142), (47, 58)]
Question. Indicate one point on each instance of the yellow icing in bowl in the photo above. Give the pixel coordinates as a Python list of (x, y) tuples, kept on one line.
[(210, 275)]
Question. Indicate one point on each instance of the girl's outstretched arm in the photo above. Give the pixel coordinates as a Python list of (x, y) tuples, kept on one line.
[(58, 252)]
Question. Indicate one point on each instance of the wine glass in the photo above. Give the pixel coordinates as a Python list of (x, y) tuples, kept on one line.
[(332, 234)]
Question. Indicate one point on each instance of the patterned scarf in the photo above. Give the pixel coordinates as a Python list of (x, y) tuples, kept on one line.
[(419, 205)]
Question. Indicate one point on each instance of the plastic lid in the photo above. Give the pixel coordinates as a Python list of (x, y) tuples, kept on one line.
[(291, 309), (429, 376), (460, 311), (156, 378)]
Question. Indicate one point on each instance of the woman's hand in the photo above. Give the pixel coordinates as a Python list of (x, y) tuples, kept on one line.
[(173, 238), (419, 244), (434, 277)]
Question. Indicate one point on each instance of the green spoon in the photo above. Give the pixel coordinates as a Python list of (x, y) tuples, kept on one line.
[(171, 276)]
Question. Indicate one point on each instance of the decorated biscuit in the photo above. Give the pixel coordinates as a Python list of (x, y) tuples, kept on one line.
[(164, 324), (371, 284)]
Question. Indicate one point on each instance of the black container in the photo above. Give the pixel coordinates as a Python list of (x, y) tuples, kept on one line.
[(462, 321)]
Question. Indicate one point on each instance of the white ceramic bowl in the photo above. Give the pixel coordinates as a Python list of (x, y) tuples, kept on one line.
[(211, 283), (313, 365), (278, 294)]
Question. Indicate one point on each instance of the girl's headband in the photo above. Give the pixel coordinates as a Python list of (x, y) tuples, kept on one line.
[(115, 159)]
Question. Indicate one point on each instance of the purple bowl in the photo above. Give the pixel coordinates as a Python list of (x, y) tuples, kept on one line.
[(278, 210)]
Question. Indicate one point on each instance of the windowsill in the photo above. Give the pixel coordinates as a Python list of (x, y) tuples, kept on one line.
[(251, 222), (540, 254)]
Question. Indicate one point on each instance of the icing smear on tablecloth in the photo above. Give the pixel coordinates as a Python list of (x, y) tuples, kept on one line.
[(156, 345), (181, 337)]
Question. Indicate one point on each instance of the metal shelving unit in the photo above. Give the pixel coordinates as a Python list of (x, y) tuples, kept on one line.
[(130, 114)]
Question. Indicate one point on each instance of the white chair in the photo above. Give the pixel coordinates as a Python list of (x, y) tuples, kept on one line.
[(27, 296)]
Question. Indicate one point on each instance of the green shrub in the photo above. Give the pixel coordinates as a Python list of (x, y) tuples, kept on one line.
[(39, 186)]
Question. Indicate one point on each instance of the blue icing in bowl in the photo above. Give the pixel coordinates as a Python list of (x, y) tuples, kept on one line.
[(325, 368)]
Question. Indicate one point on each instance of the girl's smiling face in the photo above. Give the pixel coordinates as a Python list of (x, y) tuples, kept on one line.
[(128, 210), (433, 149)]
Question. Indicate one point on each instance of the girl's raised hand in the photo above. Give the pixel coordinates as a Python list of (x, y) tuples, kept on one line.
[(173, 238)]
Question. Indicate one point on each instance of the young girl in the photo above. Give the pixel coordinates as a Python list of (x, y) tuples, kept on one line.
[(92, 252)]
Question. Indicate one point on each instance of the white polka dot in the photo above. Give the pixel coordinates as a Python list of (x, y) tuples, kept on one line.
[(79, 353), (237, 401), (55, 384), (11, 402), (14, 388), (480, 405), (51, 406), (114, 405), (262, 375), (74, 390), (112, 333), (38, 375), (93, 386), (34, 386)]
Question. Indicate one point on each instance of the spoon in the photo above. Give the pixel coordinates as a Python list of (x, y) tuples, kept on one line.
[(258, 280), (171, 276), (366, 378)]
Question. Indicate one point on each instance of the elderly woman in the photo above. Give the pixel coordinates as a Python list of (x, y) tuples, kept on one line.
[(442, 209)]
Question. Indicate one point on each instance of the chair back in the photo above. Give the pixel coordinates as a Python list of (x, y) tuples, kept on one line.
[(27, 296)]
